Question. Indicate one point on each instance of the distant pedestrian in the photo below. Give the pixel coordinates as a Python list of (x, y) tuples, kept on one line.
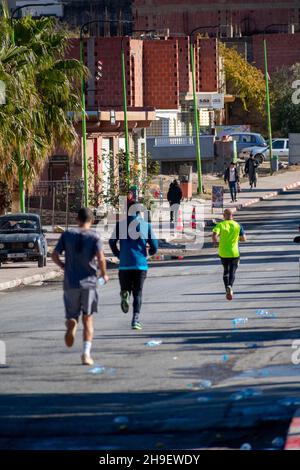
[(82, 247), (174, 197), (251, 170), (231, 177), (133, 239), (227, 234)]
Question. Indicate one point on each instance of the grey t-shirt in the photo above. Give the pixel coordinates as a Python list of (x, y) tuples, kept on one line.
[(80, 248)]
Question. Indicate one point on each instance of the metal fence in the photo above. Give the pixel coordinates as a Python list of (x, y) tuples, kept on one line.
[(57, 202)]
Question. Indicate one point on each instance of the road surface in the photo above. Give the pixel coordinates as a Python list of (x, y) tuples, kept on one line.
[(152, 397)]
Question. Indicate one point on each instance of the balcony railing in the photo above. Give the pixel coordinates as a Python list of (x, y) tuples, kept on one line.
[(173, 141)]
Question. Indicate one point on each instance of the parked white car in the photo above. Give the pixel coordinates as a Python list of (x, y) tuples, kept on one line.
[(280, 148)]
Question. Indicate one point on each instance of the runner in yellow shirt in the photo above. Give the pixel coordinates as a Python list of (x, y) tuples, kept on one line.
[(228, 234)]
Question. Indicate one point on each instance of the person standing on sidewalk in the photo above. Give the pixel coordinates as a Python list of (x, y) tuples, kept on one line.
[(251, 170), (231, 177), (227, 234), (174, 197), (82, 247), (133, 235)]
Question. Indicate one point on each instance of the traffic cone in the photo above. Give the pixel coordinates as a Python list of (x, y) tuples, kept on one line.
[(194, 221), (179, 226)]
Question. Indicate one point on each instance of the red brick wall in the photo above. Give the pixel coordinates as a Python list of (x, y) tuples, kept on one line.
[(161, 74), (283, 50), (183, 16), (206, 64), (156, 70), (185, 76)]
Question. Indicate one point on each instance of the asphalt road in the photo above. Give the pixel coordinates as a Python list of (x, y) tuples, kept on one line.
[(152, 397)]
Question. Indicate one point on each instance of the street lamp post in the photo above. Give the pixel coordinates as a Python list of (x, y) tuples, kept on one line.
[(268, 107), (127, 150), (19, 155), (83, 95), (196, 112)]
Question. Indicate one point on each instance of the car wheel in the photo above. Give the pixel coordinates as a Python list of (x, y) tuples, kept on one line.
[(41, 262), (259, 158)]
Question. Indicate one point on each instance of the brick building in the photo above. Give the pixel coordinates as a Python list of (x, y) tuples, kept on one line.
[(159, 94), (233, 17)]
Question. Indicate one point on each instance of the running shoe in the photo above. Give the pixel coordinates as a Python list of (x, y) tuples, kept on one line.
[(87, 360), (71, 332), (137, 326), (229, 293), (125, 301)]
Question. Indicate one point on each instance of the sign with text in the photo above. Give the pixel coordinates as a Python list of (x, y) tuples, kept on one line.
[(211, 100), (217, 197)]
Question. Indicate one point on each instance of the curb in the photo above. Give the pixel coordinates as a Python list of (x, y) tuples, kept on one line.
[(266, 197), (29, 280), (293, 437)]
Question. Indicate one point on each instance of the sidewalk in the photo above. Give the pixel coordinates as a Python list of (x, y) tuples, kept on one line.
[(18, 274)]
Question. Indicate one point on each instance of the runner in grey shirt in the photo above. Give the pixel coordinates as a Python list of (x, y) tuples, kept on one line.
[(82, 247)]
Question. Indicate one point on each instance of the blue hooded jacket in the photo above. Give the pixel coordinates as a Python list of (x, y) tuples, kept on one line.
[(133, 235)]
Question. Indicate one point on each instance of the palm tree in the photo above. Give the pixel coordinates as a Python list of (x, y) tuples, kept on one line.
[(43, 86)]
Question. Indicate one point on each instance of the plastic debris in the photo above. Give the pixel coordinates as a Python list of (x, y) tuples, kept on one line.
[(278, 442), (265, 313), (121, 420), (252, 345), (239, 321), (175, 358), (246, 446), (290, 401), (245, 394), (101, 370), (225, 358), (203, 399), (205, 383), (236, 396), (202, 384), (97, 370), (153, 343)]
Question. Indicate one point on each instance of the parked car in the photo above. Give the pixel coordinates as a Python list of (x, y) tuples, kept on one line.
[(22, 239), (280, 147), (248, 139)]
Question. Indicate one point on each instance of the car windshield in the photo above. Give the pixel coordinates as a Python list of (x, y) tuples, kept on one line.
[(10, 225), (261, 141)]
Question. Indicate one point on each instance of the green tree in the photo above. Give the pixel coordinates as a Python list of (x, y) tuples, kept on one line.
[(285, 110), (42, 87), (243, 79)]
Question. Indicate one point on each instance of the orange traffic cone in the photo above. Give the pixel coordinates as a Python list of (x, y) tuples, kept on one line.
[(194, 221), (179, 226)]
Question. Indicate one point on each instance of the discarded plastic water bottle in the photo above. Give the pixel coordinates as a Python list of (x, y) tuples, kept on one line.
[(246, 446), (121, 420), (205, 383), (203, 399), (239, 321), (101, 281), (278, 442), (265, 313), (153, 343), (97, 370)]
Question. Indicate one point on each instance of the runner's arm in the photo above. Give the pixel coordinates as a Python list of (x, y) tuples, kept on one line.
[(113, 242), (243, 237), (215, 239), (102, 264), (60, 247), (152, 242)]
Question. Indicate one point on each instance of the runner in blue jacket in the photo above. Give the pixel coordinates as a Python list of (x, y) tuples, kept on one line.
[(132, 241)]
